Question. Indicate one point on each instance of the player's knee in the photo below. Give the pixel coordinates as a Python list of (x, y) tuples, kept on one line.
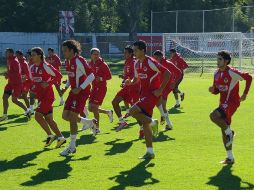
[(14, 99), (115, 102), (65, 116), (38, 116), (92, 108), (213, 116)]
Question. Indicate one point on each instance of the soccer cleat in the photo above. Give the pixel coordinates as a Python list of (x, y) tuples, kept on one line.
[(182, 96), (141, 134), (85, 127), (32, 112), (126, 115), (147, 156), (3, 118), (28, 114), (110, 116), (154, 126), (60, 142), (227, 161), (93, 126), (121, 126), (229, 139), (49, 141), (167, 128), (162, 122), (177, 106), (68, 150)]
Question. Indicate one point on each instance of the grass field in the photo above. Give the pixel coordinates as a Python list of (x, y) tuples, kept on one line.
[(187, 158)]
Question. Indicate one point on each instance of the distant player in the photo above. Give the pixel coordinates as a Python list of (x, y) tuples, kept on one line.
[(44, 76), (14, 85), (128, 94), (154, 78), (99, 86), (80, 77), (226, 83), (25, 76), (176, 75), (55, 61), (181, 64)]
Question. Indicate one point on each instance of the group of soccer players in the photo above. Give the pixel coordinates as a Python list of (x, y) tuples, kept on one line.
[(147, 82)]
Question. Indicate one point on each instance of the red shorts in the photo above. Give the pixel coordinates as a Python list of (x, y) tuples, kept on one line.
[(14, 90), (76, 102), (129, 94), (169, 88), (147, 102), (227, 111), (45, 106), (26, 86), (97, 95)]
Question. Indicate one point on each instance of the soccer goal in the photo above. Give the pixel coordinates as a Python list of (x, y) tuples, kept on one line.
[(200, 49)]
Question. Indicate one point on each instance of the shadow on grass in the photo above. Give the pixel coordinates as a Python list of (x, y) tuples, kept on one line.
[(175, 111), (86, 139), (135, 177), (56, 171), (16, 118), (225, 180), (162, 137), (20, 162), (129, 125), (118, 147)]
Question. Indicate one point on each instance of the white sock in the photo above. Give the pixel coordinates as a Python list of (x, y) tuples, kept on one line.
[(177, 102), (127, 110), (31, 107), (149, 150), (60, 138), (168, 120), (228, 131), (61, 98), (73, 141), (161, 110), (121, 119), (141, 127), (230, 154), (86, 112), (50, 136), (85, 121)]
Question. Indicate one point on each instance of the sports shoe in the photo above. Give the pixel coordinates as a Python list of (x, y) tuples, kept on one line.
[(28, 114), (60, 142), (182, 96), (177, 106), (93, 126), (68, 150), (110, 116), (85, 127), (49, 141), (121, 126), (3, 118), (147, 156), (141, 134), (154, 126), (229, 139), (227, 161), (162, 122), (167, 128)]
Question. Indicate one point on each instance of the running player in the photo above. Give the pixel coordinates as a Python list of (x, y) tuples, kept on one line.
[(154, 78), (181, 64), (44, 76), (226, 83)]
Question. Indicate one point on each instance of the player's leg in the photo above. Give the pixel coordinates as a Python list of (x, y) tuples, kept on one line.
[(32, 101), (175, 92), (109, 113), (25, 98), (39, 117), (162, 112), (5, 98), (58, 88), (230, 157), (94, 108), (53, 126), (127, 107), (116, 105), (166, 114)]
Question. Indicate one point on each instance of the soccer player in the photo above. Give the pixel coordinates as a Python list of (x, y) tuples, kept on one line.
[(154, 78), (14, 85), (175, 76), (128, 94), (99, 86), (180, 63), (80, 77), (226, 83), (55, 61), (44, 76), (26, 77)]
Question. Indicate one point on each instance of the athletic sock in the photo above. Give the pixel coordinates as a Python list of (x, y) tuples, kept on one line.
[(85, 121), (168, 120), (73, 141), (177, 102), (230, 154), (161, 110), (121, 119), (149, 150), (228, 131)]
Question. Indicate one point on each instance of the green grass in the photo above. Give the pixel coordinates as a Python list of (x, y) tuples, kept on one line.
[(187, 158)]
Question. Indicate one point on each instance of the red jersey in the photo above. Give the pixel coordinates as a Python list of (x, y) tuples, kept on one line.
[(13, 71), (55, 61), (25, 71), (102, 71), (129, 68), (44, 73), (78, 70), (149, 73), (175, 72), (227, 84), (179, 62)]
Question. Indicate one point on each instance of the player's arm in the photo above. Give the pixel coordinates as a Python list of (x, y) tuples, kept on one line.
[(135, 79), (165, 76), (15, 70), (106, 73), (55, 74), (67, 85)]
